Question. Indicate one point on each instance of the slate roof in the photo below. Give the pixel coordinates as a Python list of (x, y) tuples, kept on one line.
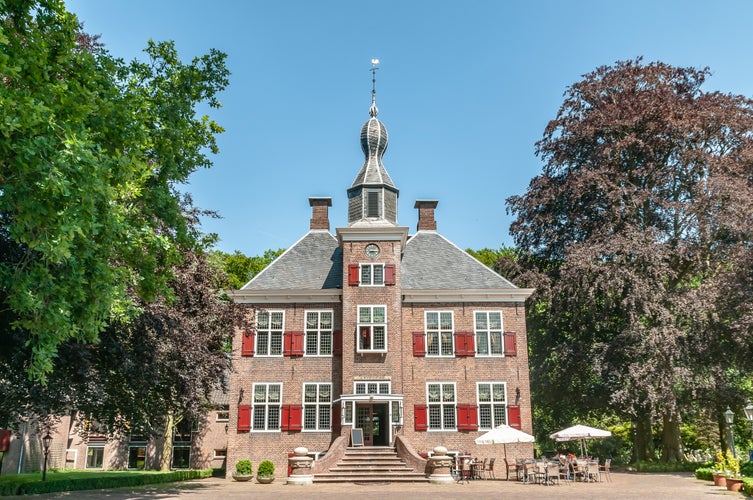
[(432, 262), (313, 263)]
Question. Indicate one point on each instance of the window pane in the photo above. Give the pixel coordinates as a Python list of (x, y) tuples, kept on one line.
[(312, 320), (378, 275), (448, 392), (435, 416), (324, 415), (496, 341), (482, 343), (372, 388), (262, 343), (499, 415), (326, 320), (309, 395), (260, 394), (309, 417), (499, 392), (275, 348), (447, 343), (360, 388), (379, 314), (449, 416), (274, 393), (379, 338), (274, 417), (481, 321), (262, 320), (324, 393), (366, 275), (312, 343), (495, 321), (384, 388), (433, 392), (484, 393), (326, 343), (446, 319), (485, 416), (364, 315), (432, 321)]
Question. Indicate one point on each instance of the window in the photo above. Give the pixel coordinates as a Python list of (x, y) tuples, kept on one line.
[(223, 415), (181, 456), (95, 457), (317, 400), (220, 454), (439, 333), (375, 387), (372, 329), (136, 457), (372, 274), (266, 408), (269, 326), (488, 333), (491, 404), (318, 333), (441, 405)]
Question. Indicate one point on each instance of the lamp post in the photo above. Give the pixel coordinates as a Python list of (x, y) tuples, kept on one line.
[(729, 417), (749, 414), (46, 445)]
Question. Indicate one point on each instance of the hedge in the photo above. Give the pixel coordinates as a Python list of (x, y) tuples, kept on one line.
[(26, 485)]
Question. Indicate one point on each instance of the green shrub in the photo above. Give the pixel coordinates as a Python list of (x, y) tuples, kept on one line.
[(704, 473), (244, 467), (266, 469), (748, 485), (667, 467)]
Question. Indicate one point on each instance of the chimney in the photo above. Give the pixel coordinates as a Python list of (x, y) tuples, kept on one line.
[(426, 220), (320, 212)]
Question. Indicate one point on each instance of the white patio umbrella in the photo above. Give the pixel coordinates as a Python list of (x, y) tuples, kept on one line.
[(504, 434), (580, 432)]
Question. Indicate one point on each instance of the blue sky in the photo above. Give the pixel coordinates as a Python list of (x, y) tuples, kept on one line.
[(465, 90)]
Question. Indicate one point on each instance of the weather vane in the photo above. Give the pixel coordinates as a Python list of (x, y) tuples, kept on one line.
[(373, 111)]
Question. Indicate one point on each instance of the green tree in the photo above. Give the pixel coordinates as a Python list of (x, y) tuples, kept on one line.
[(641, 217), (91, 151), (241, 268)]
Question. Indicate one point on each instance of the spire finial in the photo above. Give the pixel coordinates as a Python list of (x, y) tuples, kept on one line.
[(373, 110)]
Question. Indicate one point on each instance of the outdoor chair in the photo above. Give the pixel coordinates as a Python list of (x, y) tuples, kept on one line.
[(464, 470), (480, 470), (580, 469), (592, 471), (489, 470), (552, 473), (511, 467), (605, 469)]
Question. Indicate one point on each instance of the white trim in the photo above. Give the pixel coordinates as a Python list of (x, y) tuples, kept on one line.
[(372, 233), (317, 404), (470, 295), (492, 402), (439, 333), (333, 295), (441, 403), (488, 331), (319, 333), (266, 405), (371, 325), (269, 332)]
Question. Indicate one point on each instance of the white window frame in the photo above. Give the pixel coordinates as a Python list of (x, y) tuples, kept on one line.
[(488, 332), (226, 418), (369, 279), (371, 326), (497, 407), (319, 332), (447, 409), (271, 333), (347, 409), (267, 406), (100, 447), (319, 406), (372, 387), (439, 332), (215, 456)]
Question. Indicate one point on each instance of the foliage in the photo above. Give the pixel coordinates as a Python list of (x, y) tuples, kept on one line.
[(636, 240), (244, 467), (666, 466), (731, 464), (704, 473), (266, 469), (240, 268), (32, 484), (91, 153)]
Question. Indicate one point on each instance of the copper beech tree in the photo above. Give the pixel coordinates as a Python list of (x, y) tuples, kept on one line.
[(640, 227)]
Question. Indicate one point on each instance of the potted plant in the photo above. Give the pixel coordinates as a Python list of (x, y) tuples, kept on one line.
[(265, 474), (719, 469), (243, 470), (734, 480)]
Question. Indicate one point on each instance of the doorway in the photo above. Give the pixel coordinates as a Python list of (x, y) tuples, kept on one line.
[(373, 418)]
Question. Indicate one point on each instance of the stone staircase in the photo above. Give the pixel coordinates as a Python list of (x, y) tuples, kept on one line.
[(370, 464)]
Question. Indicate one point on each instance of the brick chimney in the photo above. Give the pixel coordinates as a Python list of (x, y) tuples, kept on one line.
[(320, 212), (426, 215)]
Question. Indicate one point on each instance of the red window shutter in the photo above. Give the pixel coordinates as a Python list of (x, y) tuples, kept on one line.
[(513, 416), (244, 418), (419, 417), (467, 417), (292, 344), (291, 418), (337, 342), (389, 274), (354, 274), (247, 343), (464, 345), (511, 348), (470, 344), (419, 344)]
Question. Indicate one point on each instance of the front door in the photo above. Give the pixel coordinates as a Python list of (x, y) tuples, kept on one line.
[(373, 418)]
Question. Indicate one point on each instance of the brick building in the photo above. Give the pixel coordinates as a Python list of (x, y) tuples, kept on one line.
[(405, 336)]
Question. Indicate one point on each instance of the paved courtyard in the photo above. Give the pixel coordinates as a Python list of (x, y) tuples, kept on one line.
[(623, 485)]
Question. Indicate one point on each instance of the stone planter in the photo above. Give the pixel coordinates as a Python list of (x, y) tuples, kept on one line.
[(734, 484), (265, 479), (242, 477), (719, 479)]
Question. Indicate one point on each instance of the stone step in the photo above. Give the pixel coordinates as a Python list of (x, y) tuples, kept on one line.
[(402, 477)]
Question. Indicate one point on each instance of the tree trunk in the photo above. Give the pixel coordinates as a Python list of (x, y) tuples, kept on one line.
[(643, 442), (167, 444), (671, 445)]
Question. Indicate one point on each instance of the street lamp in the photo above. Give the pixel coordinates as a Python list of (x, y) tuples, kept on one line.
[(729, 416), (46, 445)]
